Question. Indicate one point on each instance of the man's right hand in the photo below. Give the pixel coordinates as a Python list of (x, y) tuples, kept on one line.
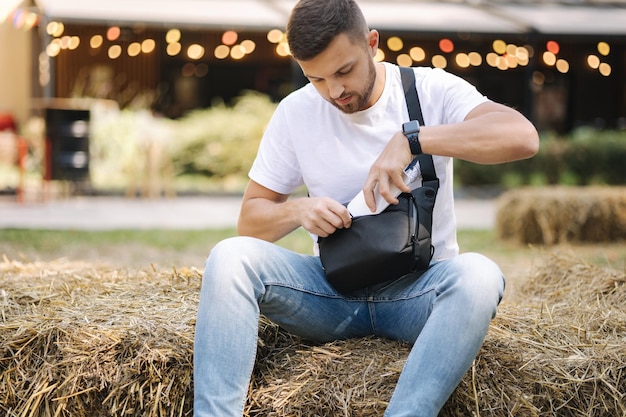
[(268, 215), (322, 216)]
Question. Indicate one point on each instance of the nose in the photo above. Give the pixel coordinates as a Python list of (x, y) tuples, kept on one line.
[(335, 89)]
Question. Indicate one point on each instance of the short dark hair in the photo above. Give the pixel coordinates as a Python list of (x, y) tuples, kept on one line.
[(313, 25)]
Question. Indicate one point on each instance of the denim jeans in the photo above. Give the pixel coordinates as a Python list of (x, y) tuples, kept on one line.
[(444, 314)]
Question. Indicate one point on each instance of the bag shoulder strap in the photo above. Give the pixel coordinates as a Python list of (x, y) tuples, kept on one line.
[(427, 166)]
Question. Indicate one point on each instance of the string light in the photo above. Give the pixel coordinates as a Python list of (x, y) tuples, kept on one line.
[(404, 60), (593, 61), (113, 33), (282, 49), (395, 44), (462, 60), (134, 49), (553, 46), (172, 36), (173, 48), (248, 45), (417, 54), (195, 51), (55, 29), (229, 37), (237, 52), (115, 51), (503, 56), (446, 45), (475, 59), (221, 51), (603, 48), (96, 41), (148, 45), (439, 61), (562, 66), (549, 58), (605, 69)]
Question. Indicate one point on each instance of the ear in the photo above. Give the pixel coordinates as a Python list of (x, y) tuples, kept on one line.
[(372, 42)]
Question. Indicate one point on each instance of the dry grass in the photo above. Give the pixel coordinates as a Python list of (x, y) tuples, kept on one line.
[(83, 340)]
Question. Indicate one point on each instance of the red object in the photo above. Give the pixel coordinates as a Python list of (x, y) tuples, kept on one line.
[(7, 122), (22, 153)]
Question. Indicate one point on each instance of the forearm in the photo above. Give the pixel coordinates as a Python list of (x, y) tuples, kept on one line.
[(268, 220), (492, 137)]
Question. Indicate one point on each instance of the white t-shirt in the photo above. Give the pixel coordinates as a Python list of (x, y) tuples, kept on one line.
[(310, 142)]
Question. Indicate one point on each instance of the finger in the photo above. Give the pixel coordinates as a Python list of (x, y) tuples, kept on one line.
[(369, 195), (343, 216)]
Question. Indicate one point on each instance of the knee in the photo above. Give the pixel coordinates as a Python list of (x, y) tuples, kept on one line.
[(479, 278), (234, 251), (232, 262)]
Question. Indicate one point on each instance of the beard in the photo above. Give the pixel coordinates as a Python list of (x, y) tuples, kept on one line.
[(361, 98)]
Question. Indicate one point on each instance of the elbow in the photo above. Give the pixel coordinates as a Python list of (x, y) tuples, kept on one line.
[(528, 145)]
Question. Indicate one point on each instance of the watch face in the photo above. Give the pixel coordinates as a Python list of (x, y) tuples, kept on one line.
[(411, 127)]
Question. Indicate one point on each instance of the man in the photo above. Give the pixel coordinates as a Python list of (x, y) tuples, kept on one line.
[(337, 135)]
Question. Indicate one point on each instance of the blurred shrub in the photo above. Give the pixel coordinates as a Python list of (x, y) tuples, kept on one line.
[(221, 140), (584, 157)]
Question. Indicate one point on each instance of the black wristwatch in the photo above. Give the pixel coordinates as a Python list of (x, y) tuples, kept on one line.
[(411, 131)]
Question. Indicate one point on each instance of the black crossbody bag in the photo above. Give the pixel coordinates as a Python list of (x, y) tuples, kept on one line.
[(396, 242)]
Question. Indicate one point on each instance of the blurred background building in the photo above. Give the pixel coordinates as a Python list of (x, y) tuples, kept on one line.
[(561, 62)]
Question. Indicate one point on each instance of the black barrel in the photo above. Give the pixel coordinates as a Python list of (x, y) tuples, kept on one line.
[(67, 131)]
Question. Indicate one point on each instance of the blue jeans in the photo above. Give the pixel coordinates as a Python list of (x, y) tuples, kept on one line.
[(444, 314)]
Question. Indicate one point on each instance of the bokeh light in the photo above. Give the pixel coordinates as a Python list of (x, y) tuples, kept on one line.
[(248, 45), (605, 69), (475, 59), (462, 60), (115, 51), (229, 37), (237, 52), (195, 51), (275, 35), (172, 36), (446, 45), (282, 49), (395, 44), (404, 60), (173, 49), (553, 46), (221, 51), (96, 41), (562, 66), (55, 29), (593, 61), (134, 49), (499, 46), (603, 48), (113, 33), (549, 58), (417, 54), (439, 61), (148, 45)]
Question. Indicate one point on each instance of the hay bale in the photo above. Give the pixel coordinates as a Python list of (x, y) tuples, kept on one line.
[(551, 215), (80, 340)]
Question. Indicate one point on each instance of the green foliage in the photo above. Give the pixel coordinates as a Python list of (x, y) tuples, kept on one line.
[(584, 157), (221, 141)]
